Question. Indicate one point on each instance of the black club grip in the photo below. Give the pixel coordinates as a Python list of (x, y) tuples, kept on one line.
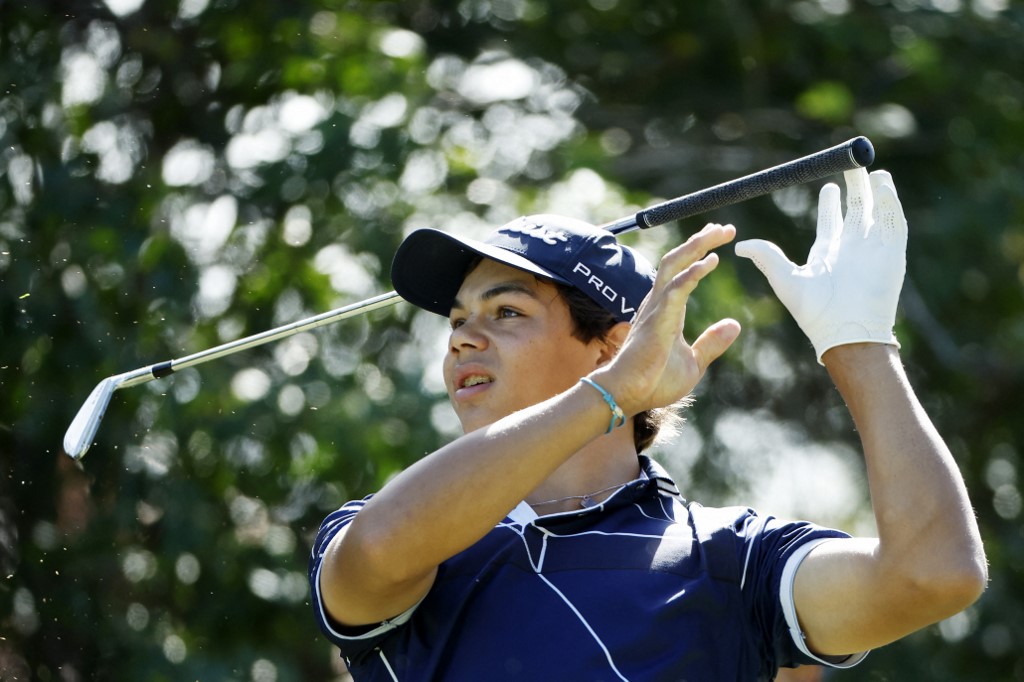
[(855, 153)]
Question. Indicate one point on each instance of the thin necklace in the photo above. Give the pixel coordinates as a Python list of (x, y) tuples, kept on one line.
[(586, 501)]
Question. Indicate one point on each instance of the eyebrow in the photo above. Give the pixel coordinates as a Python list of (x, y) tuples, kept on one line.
[(498, 290)]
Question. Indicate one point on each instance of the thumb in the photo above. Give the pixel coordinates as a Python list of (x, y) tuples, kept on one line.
[(715, 340), (768, 258)]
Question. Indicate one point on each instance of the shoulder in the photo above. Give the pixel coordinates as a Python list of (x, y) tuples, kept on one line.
[(720, 533), (747, 524), (740, 541), (333, 525)]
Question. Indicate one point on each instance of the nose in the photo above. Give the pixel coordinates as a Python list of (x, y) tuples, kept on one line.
[(468, 335)]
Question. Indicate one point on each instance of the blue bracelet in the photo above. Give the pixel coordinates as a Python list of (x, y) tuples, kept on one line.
[(618, 416)]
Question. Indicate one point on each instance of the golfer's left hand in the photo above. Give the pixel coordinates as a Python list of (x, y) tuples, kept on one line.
[(656, 365), (849, 289)]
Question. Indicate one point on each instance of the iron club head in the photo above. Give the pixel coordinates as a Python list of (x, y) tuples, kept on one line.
[(82, 430)]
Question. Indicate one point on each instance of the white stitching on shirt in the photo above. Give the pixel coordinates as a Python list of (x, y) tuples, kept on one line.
[(607, 654), (746, 563), (388, 665)]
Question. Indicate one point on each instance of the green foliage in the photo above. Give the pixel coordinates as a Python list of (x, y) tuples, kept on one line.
[(180, 174)]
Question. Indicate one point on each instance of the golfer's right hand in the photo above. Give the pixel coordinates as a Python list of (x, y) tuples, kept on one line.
[(656, 366)]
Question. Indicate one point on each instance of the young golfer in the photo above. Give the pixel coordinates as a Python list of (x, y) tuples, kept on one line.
[(542, 545)]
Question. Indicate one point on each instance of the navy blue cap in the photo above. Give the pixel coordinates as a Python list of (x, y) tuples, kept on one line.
[(430, 265)]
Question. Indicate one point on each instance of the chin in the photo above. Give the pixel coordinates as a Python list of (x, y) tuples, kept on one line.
[(471, 427), (473, 423)]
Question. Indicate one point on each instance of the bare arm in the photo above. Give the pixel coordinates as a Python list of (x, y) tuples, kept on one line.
[(928, 562)]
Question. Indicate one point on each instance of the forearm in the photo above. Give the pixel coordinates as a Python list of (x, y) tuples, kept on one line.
[(448, 500), (924, 517)]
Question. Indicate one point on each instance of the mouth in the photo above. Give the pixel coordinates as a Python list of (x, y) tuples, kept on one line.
[(470, 381), (475, 380)]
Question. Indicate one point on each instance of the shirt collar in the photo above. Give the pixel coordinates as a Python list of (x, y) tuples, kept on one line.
[(653, 480)]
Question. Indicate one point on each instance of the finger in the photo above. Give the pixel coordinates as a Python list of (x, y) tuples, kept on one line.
[(684, 283), (769, 259), (888, 218), (665, 312), (696, 247), (684, 256), (715, 340), (858, 203), (830, 222)]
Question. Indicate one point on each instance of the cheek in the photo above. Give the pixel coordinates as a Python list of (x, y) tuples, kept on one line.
[(563, 364), (447, 369), (447, 361)]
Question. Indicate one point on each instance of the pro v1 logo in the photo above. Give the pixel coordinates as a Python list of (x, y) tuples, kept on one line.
[(592, 280)]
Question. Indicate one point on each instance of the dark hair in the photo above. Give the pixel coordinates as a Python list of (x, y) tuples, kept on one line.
[(590, 322)]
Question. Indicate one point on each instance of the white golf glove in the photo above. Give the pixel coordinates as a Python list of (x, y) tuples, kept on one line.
[(849, 288)]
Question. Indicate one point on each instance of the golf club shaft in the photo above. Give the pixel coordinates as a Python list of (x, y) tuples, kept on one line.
[(854, 153), (164, 368)]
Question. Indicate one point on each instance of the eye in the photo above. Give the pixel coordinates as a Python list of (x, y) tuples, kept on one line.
[(456, 322), (506, 312)]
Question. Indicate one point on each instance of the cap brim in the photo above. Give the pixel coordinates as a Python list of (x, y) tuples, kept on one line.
[(430, 265)]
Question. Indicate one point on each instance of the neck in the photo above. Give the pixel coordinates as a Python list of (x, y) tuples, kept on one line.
[(605, 462)]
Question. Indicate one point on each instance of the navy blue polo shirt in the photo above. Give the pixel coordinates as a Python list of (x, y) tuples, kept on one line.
[(640, 587)]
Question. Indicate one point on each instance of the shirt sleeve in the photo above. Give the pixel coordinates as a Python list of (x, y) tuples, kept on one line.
[(353, 642), (789, 610), (773, 550)]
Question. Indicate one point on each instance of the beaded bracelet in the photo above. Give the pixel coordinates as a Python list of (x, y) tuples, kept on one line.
[(618, 416)]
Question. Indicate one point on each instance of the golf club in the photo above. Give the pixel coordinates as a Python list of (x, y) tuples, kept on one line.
[(854, 153)]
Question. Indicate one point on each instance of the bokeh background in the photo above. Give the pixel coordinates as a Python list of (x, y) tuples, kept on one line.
[(179, 173)]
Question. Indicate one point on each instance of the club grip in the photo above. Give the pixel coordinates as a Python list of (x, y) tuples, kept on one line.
[(855, 153)]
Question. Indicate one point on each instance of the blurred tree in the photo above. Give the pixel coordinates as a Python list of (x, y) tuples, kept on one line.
[(177, 174)]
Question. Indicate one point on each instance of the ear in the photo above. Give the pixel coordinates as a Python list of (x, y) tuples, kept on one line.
[(612, 342)]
